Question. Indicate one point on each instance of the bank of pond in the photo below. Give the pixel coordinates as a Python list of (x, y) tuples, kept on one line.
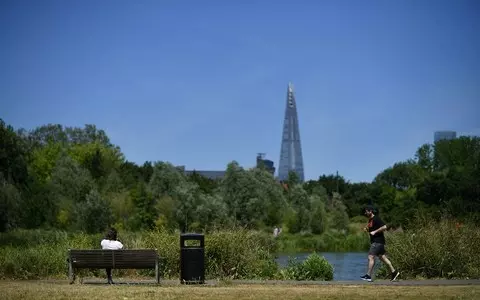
[(440, 250)]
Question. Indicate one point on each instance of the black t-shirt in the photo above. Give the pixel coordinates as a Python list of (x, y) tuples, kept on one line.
[(373, 224)]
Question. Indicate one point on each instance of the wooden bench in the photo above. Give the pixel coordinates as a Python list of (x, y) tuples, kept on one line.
[(114, 259)]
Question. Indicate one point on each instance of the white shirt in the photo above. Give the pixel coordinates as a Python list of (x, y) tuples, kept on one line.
[(111, 245)]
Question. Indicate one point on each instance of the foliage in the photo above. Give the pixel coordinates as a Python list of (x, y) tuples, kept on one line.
[(10, 201), (314, 267), (47, 173), (445, 249), (319, 220), (75, 179), (338, 213), (13, 160), (94, 215), (144, 213), (235, 254)]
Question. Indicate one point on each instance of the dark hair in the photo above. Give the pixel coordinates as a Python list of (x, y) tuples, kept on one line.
[(370, 208), (111, 234)]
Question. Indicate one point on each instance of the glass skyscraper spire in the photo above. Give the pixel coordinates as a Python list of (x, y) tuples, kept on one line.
[(291, 158)]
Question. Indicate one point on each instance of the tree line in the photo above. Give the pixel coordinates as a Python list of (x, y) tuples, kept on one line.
[(75, 179)]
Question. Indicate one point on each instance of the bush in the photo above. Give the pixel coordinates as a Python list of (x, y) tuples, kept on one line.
[(315, 267), (435, 250)]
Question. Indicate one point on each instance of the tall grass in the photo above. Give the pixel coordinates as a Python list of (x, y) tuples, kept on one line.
[(435, 250), (235, 254)]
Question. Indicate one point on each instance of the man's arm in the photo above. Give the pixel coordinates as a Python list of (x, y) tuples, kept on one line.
[(381, 229)]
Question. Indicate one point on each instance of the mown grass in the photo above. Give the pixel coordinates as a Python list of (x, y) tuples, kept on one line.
[(52, 291)]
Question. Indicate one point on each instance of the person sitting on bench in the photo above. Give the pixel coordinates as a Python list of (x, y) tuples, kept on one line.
[(110, 243)]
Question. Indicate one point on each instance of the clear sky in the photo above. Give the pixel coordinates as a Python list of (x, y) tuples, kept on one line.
[(202, 83)]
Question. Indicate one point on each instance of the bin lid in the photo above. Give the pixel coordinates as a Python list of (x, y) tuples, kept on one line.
[(192, 234)]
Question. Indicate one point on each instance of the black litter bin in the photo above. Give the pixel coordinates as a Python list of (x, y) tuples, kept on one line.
[(192, 258)]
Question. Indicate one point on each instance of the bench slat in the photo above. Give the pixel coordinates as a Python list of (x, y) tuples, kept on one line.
[(120, 259)]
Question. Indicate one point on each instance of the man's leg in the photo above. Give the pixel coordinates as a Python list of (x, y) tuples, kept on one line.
[(371, 264), (109, 276), (384, 258), (394, 273)]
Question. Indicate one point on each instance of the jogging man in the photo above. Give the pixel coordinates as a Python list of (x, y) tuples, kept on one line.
[(375, 228)]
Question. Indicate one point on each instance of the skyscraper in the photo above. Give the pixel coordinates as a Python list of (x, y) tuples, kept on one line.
[(444, 135), (291, 158)]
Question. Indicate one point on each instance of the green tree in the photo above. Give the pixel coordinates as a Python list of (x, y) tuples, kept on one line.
[(211, 212), (253, 197), (144, 209), (234, 190), (69, 186), (93, 215), (206, 185), (131, 174), (299, 215), (122, 208), (48, 134), (356, 197), (166, 209), (98, 159), (10, 201), (70, 181), (402, 175), (338, 213), (424, 157), (43, 161), (13, 156), (187, 195), (319, 220), (271, 195), (113, 183), (333, 183), (164, 180), (88, 134)]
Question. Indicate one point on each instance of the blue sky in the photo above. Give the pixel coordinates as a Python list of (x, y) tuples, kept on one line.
[(201, 83)]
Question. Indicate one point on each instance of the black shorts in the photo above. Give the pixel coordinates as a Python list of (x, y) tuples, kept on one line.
[(377, 249)]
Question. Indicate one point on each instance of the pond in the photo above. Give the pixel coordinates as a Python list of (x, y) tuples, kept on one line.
[(346, 265)]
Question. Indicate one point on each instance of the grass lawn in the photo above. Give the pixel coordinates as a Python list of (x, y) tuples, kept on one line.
[(52, 290)]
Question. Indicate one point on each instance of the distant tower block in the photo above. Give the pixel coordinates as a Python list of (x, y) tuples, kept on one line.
[(265, 163), (444, 135), (291, 158)]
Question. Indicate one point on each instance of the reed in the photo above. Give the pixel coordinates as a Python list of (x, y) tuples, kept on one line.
[(444, 249)]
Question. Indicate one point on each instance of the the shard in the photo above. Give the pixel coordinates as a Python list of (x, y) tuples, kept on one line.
[(291, 158)]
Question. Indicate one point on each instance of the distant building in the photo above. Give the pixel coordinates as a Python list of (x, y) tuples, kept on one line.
[(215, 175), (444, 135), (218, 175), (265, 163), (291, 158)]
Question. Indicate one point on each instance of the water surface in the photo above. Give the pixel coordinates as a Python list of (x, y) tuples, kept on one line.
[(346, 265)]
